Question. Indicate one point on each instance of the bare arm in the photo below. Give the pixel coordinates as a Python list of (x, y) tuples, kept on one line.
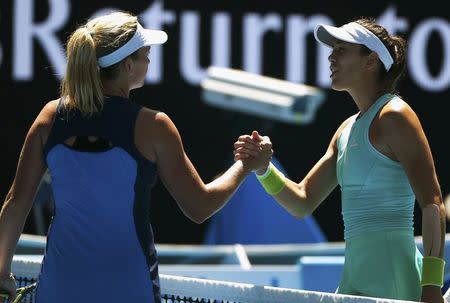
[(301, 199), (30, 169), (197, 200), (410, 147)]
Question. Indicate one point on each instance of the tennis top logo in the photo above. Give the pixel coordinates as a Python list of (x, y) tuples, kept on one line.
[(295, 28)]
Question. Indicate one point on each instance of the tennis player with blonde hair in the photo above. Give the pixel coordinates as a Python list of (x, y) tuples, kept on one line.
[(104, 154), (381, 159)]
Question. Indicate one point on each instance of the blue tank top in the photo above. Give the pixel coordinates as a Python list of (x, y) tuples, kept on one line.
[(376, 194), (100, 245)]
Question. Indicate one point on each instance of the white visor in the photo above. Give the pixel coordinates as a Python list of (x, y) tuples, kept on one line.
[(354, 33), (142, 37)]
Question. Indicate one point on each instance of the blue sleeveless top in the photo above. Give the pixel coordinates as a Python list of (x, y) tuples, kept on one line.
[(100, 244), (376, 194)]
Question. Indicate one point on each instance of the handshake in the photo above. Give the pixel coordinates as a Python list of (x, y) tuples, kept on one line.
[(255, 152)]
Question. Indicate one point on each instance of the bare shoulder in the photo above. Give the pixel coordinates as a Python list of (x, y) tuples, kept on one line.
[(153, 121), (153, 130), (146, 116), (397, 114), (332, 147), (47, 114), (346, 122), (398, 127), (44, 121), (342, 126)]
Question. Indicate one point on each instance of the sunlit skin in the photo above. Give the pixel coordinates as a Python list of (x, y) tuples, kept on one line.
[(395, 132), (141, 67), (346, 66), (156, 138), (132, 75)]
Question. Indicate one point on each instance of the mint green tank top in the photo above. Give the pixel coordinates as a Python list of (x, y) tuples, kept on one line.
[(375, 191)]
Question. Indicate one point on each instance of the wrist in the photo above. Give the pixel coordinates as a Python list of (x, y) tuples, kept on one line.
[(5, 272), (6, 276), (432, 287), (262, 172), (272, 180), (433, 272), (241, 165)]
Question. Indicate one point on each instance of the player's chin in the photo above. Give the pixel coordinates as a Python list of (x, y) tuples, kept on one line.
[(335, 85), (134, 86)]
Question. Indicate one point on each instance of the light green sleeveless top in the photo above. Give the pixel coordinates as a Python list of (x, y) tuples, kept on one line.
[(376, 194)]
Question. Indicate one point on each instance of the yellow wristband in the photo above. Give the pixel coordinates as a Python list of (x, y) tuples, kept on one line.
[(433, 271), (272, 180)]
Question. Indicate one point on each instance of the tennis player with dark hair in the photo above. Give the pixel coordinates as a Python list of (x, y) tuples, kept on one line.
[(104, 153), (381, 159)]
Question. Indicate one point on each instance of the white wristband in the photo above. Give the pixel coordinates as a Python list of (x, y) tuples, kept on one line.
[(266, 172)]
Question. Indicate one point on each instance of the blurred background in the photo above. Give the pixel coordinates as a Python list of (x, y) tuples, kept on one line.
[(264, 37)]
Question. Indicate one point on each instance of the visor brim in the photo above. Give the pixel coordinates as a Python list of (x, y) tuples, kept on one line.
[(153, 37), (329, 35)]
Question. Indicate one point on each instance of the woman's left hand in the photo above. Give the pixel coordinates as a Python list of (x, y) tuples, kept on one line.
[(8, 285), (431, 294)]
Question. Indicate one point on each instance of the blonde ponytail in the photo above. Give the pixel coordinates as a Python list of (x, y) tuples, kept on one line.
[(81, 88)]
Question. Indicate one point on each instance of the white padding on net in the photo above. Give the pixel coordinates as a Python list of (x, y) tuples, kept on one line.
[(29, 267), (447, 296), (24, 267), (248, 293)]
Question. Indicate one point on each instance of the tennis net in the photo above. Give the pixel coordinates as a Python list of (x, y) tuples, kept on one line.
[(176, 289)]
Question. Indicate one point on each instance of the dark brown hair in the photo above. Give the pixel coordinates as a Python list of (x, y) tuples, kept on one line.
[(396, 46)]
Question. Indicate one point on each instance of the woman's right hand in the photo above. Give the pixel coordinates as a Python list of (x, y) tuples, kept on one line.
[(8, 286), (254, 151)]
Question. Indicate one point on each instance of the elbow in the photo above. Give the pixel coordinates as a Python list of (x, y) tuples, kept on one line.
[(197, 216), (301, 205), (302, 213), (198, 219), (194, 209), (205, 207), (200, 213), (17, 204), (304, 208), (300, 216)]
